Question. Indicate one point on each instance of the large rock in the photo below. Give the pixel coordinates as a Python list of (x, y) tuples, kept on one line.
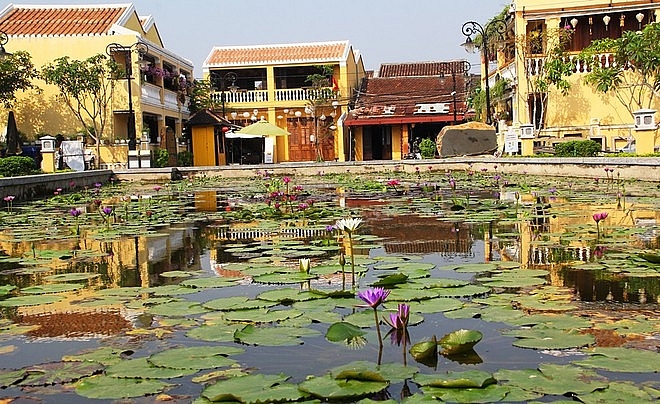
[(468, 139)]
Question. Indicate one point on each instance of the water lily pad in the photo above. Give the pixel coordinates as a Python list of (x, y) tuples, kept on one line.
[(343, 331), (71, 277), (284, 277), (272, 336), (59, 373), (51, 288), (34, 300), (622, 360), (197, 357), (458, 342), (215, 332), (104, 355), (541, 337), (10, 377), (288, 295), (140, 368), (5, 289), (327, 387), (106, 387), (203, 283), (235, 303), (182, 308), (466, 379), (177, 274), (620, 392), (553, 379), (253, 389), (262, 315), (490, 394)]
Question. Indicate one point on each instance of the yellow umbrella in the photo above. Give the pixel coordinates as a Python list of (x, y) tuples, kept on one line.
[(263, 127)]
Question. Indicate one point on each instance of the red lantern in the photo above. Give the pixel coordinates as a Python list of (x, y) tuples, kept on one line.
[(225, 128)]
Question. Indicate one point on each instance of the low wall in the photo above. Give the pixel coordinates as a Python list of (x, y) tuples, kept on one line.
[(640, 168), (29, 187)]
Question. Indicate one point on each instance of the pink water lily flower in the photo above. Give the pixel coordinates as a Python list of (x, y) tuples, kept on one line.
[(374, 297), (599, 216)]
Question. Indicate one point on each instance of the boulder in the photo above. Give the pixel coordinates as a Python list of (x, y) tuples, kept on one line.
[(468, 139)]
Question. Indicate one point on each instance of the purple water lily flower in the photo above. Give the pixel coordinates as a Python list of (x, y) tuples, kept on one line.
[(374, 297)]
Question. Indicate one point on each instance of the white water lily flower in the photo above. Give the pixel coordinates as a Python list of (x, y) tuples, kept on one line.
[(304, 265), (349, 225)]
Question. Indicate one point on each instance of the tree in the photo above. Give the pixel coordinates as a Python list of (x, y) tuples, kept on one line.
[(16, 73), (86, 86), (546, 65), (633, 76), (201, 97), (320, 99)]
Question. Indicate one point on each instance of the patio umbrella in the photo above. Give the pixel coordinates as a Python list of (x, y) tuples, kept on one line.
[(263, 127), (13, 140)]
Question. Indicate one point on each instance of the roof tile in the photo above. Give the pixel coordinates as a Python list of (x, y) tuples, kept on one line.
[(60, 20), (277, 54)]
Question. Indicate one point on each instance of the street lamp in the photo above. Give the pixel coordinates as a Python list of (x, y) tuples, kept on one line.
[(229, 77), (3, 40), (454, 68), (141, 49), (493, 27)]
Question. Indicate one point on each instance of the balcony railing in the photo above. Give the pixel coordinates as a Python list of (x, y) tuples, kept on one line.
[(288, 94), (151, 94), (535, 65)]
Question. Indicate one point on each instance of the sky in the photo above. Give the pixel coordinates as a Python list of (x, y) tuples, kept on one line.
[(383, 31)]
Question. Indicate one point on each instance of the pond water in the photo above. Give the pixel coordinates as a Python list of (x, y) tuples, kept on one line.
[(196, 290)]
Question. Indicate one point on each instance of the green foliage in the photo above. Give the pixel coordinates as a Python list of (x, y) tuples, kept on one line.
[(184, 159), (634, 76), (319, 101), (427, 148), (18, 165), (201, 96), (161, 158), (16, 73), (86, 88), (577, 148)]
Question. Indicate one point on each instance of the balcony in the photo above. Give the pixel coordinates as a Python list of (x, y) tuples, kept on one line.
[(281, 95), (156, 96), (535, 65)]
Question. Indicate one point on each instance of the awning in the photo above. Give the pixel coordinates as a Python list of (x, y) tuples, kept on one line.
[(238, 135), (398, 120)]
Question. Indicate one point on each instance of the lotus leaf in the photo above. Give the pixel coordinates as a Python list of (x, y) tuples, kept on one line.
[(177, 309), (104, 355), (272, 336), (327, 387), (391, 280), (440, 304), (253, 389), (622, 360), (541, 337), (10, 377), (430, 283), (178, 274), (262, 315), (51, 288), (342, 331), (288, 295), (106, 387), (215, 332), (71, 277), (203, 283), (619, 392), (170, 290), (59, 373), (284, 277), (425, 349), (407, 293), (197, 357), (466, 379), (5, 289), (32, 300), (140, 368), (553, 379), (462, 291), (489, 394), (235, 303), (459, 341)]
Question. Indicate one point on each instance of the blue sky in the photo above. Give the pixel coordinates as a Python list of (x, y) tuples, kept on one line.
[(384, 31)]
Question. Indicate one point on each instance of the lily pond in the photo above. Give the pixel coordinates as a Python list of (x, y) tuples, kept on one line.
[(473, 286)]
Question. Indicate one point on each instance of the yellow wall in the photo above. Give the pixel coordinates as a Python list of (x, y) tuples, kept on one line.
[(582, 110)]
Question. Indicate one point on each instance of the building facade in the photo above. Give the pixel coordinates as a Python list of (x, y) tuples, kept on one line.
[(158, 81), (272, 83), (544, 117), (404, 104)]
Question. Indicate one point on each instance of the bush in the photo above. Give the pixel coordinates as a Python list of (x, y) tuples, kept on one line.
[(15, 166), (427, 148), (161, 158), (184, 159), (577, 148)]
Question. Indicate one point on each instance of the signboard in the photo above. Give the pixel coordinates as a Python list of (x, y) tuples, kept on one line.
[(511, 141)]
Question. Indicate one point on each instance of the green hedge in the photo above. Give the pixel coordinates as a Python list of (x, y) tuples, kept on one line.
[(15, 166), (577, 148), (427, 148), (161, 158)]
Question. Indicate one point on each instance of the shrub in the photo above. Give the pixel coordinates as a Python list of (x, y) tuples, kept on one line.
[(577, 148), (15, 166), (184, 159), (427, 148), (161, 158)]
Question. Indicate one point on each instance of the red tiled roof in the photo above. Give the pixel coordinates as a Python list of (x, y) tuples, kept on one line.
[(420, 68), (395, 99), (60, 20), (319, 52)]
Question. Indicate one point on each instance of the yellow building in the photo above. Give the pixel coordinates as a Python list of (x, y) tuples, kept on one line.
[(543, 118), (80, 31), (269, 82)]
